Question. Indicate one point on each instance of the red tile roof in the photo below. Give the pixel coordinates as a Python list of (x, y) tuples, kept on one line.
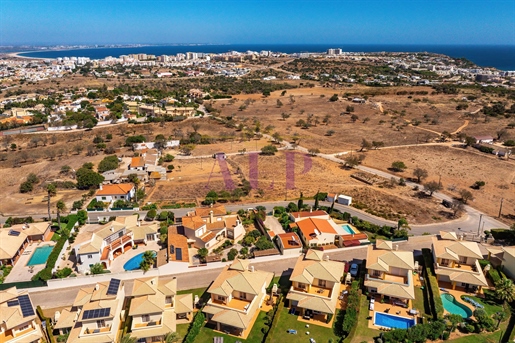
[(306, 214), (119, 189), (308, 226), (288, 242)]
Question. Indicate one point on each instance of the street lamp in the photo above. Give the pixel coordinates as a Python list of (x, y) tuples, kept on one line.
[(479, 226)]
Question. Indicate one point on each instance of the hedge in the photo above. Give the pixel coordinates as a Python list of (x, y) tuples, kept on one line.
[(351, 313), (46, 273), (433, 291), (48, 324), (502, 233), (278, 307), (494, 276), (195, 326)]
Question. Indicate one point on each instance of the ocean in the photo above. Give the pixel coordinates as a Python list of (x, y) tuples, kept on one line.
[(499, 56)]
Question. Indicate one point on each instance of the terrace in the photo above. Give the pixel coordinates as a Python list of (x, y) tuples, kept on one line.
[(89, 331), (236, 304), (314, 290), (462, 267), (389, 278), (146, 324)]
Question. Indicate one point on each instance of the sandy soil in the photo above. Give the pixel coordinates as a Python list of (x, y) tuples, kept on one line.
[(459, 169)]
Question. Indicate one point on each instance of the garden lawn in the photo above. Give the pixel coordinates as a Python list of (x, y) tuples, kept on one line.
[(362, 332), (182, 330), (485, 337), (288, 321), (490, 305), (206, 334)]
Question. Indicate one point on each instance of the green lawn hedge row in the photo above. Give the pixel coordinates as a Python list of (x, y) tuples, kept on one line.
[(195, 326), (432, 285), (48, 324), (277, 310)]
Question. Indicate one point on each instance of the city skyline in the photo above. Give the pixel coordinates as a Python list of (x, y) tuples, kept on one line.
[(253, 22)]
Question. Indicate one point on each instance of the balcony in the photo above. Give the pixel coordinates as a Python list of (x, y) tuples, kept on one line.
[(236, 304), (460, 267), (314, 290), (146, 324), (389, 278), (89, 331)]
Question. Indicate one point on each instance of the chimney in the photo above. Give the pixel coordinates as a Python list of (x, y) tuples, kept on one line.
[(152, 281), (138, 223), (326, 258), (96, 287), (396, 247), (100, 186), (251, 268), (311, 209), (211, 217), (112, 228)]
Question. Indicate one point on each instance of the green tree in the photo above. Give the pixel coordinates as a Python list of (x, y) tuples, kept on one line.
[(51, 191), (97, 268), (108, 163), (61, 207), (505, 290), (300, 203), (500, 317), (334, 98), (365, 145), (432, 187), (420, 174), (231, 255), (147, 261), (264, 243), (87, 178), (202, 253), (82, 217), (466, 195), (268, 150), (398, 166), (403, 224), (314, 151)]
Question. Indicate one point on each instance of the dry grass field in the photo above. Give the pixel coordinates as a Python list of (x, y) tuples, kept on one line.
[(193, 179), (386, 117), (459, 169)]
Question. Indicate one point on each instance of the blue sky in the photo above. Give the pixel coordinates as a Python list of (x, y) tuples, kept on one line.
[(263, 21)]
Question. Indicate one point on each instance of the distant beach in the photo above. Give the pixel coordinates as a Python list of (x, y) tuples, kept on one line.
[(498, 56)]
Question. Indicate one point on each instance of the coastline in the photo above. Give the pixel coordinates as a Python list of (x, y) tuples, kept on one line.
[(17, 55)]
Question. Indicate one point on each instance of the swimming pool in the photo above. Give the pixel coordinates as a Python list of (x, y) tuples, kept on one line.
[(451, 305), (134, 262), (348, 229), (391, 321), (40, 255)]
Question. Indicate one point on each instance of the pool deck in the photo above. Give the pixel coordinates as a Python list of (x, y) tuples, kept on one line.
[(117, 265), (22, 272), (457, 293)]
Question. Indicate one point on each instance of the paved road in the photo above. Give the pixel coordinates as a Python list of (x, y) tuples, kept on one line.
[(200, 278)]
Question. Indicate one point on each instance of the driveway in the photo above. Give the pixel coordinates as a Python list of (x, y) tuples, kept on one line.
[(273, 224)]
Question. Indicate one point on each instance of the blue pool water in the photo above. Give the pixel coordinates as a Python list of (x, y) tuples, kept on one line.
[(451, 305), (390, 321), (40, 255), (134, 262), (347, 229)]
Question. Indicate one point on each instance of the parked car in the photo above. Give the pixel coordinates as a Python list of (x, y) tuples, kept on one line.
[(354, 270)]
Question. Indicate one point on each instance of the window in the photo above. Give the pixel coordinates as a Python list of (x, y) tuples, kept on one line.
[(101, 323), (24, 327), (302, 285), (376, 273), (145, 318), (90, 256), (243, 296), (142, 340), (156, 339), (220, 298), (120, 234), (463, 259), (445, 262), (321, 283), (103, 198), (168, 299)]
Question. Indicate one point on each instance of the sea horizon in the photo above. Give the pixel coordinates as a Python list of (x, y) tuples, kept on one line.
[(498, 56)]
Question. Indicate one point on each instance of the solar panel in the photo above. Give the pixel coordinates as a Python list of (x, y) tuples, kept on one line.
[(13, 303), (26, 306), (114, 284), (98, 313), (14, 233)]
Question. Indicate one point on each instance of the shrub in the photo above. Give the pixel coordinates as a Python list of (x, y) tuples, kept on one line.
[(108, 163), (232, 254), (268, 150), (494, 276), (151, 214), (63, 273), (195, 326), (432, 285)]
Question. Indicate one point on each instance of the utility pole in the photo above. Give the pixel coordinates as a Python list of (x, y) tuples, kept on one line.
[(500, 208), (479, 226)]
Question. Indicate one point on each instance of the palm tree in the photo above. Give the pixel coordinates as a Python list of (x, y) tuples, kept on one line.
[(51, 191), (505, 290), (61, 207), (171, 337), (147, 261), (128, 339)]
